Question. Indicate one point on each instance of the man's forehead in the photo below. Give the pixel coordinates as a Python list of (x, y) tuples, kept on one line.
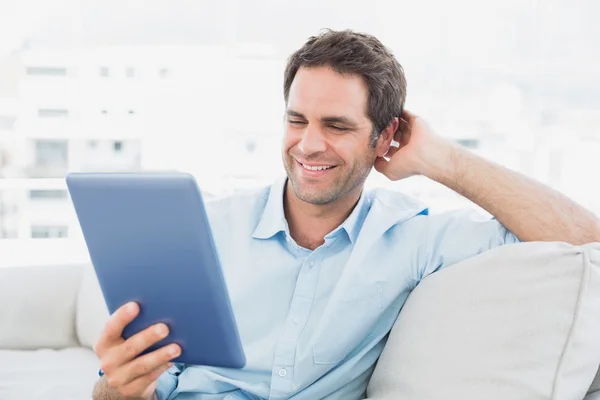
[(325, 92)]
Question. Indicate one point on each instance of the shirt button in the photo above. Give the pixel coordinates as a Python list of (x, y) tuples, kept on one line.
[(312, 264), (296, 320), (282, 372)]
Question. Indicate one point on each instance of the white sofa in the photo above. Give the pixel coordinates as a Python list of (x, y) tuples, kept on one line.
[(519, 322)]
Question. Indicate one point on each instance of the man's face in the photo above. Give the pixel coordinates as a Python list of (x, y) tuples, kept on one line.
[(326, 148)]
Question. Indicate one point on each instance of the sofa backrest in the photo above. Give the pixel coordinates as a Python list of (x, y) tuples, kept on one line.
[(37, 306), (92, 312)]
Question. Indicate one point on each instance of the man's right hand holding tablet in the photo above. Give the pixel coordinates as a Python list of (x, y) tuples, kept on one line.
[(126, 374)]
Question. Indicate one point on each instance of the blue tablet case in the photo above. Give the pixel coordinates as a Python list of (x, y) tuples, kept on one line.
[(149, 240)]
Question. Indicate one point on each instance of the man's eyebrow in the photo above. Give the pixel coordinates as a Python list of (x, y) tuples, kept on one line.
[(333, 119), (339, 120), (292, 113)]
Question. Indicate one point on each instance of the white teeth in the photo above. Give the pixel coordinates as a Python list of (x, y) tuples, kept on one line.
[(317, 168)]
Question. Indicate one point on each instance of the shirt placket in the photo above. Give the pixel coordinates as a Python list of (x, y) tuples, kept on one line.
[(282, 378)]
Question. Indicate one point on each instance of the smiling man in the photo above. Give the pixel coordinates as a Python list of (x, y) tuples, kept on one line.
[(318, 269)]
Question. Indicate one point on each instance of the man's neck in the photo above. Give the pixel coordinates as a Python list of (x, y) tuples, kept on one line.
[(310, 223)]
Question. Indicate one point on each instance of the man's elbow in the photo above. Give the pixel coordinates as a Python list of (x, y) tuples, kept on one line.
[(596, 234), (585, 236), (576, 234)]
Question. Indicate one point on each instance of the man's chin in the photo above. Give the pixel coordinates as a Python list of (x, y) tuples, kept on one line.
[(313, 194), (315, 199)]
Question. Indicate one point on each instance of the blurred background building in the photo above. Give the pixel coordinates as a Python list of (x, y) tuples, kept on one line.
[(197, 86)]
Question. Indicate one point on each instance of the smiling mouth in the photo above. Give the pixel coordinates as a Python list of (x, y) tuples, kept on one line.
[(316, 167)]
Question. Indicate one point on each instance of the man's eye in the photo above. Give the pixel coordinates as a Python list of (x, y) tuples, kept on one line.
[(296, 122), (338, 128)]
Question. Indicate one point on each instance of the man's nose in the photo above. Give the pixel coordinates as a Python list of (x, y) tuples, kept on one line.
[(312, 141)]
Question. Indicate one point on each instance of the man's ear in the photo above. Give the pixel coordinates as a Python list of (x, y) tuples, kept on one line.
[(385, 139)]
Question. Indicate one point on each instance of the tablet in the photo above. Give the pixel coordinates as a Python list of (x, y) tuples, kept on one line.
[(150, 241)]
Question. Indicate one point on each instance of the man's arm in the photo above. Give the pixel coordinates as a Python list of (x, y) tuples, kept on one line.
[(102, 391), (529, 209)]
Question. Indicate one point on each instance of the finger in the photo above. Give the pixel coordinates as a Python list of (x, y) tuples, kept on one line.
[(402, 137), (399, 137), (403, 125), (145, 364), (113, 330), (132, 347), (408, 116), (140, 385)]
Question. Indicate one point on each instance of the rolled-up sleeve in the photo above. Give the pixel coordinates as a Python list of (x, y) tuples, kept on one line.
[(458, 235), (167, 382)]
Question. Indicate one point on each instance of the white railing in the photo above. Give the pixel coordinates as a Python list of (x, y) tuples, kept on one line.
[(29, 184)]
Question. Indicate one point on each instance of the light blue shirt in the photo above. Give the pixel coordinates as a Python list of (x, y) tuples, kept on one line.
[(313, 323)]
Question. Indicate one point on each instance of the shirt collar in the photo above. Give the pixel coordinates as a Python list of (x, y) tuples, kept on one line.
[(354, 222), (396, 208), (273, 218)]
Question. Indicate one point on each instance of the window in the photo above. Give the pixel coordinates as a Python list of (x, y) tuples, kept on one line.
[(131, 112), (130, 72), (8, 209), (52, 194), (46, 71), (51, 153), (53, 113), (49, 231), (250, 146), (163, 73), (8, 233), (104, 72), (468, 143), (118, 146), (104, 112)]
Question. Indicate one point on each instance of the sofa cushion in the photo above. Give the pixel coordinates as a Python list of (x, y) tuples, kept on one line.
[(517, 322), (68, 374), (593, 396), (92, 312), (38, 304), (595, 387)]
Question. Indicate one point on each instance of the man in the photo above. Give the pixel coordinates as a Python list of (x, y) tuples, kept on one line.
[(318, 269)]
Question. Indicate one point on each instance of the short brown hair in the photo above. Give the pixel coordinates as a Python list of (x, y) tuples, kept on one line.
[(349, 52)]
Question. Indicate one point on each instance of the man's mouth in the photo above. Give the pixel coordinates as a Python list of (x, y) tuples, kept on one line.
[(316, 167)]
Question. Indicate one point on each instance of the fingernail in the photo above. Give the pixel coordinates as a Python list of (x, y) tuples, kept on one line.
[(173, 350), (131, 308), (161, 330)]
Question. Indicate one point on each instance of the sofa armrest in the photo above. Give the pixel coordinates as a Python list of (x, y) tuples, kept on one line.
[(37, 306), (516, 322)]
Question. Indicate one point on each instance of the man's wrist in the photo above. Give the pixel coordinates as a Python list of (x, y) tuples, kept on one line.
[(441, 162), (102, 391)]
